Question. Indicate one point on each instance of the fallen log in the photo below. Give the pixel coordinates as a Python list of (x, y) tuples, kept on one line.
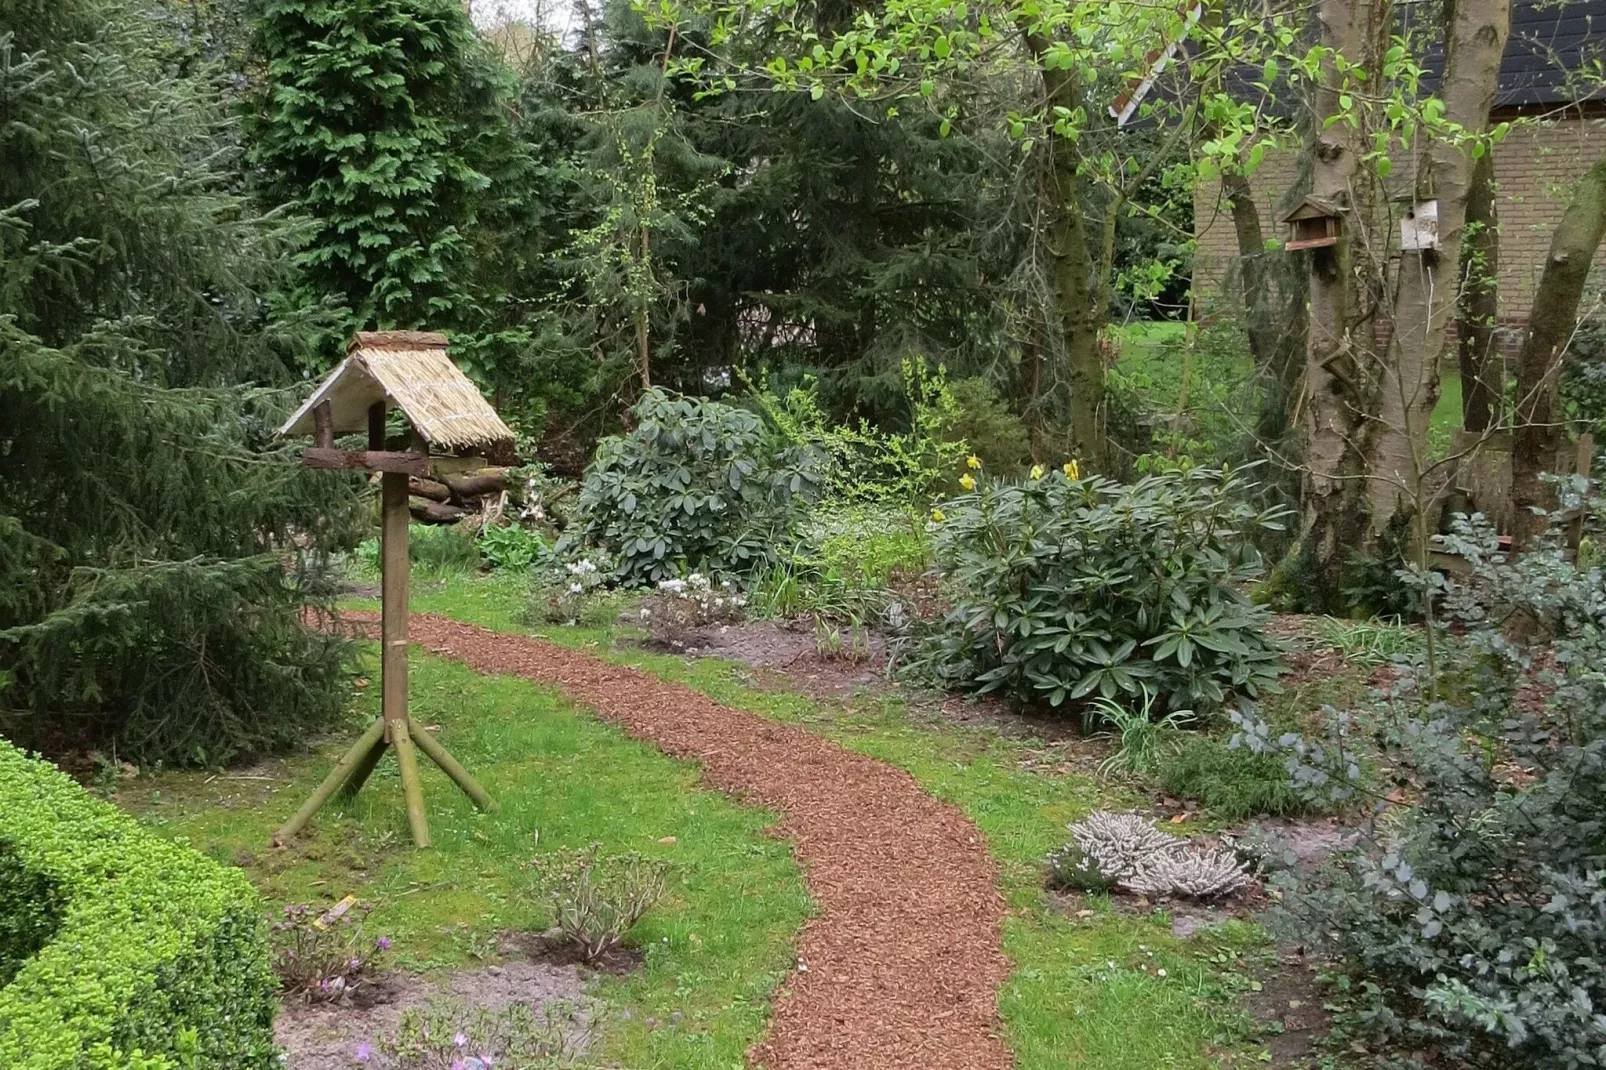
[(430, 512), (476, 484), (434, 490)]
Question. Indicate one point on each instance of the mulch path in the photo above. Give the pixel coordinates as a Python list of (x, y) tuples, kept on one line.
[(901, 967)]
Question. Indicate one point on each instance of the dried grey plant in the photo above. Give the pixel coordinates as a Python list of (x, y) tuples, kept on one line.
[(1126, 851), (1192, 871), (1120, 844)]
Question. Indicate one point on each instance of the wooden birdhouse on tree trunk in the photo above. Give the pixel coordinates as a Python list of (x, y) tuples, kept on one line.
[(1314, 224), (446, 414)]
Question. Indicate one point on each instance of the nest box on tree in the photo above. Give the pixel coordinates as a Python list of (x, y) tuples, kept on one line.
[(1314, 224), (412, 371)]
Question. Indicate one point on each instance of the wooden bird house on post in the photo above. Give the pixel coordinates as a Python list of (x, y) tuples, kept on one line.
[(1314, 224), (410, 370)]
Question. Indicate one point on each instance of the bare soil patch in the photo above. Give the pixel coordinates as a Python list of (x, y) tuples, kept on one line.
[(324, 1036)]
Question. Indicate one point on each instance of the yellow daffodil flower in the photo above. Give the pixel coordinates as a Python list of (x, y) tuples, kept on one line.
[(973, 462), (968, 482), (937, 516), (1037, 471), (1072, 471)]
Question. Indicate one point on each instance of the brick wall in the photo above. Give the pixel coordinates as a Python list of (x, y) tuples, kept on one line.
[(1535, 169)]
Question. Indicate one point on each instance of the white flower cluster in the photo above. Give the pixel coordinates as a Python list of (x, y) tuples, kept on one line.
[(693, 602), (1137, 857), (583, 575)]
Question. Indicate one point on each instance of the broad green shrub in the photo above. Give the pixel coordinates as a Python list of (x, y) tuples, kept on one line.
[(1065, 587), (513, 547), (34, 905), (124, 950), (1469, 919), (859, 462), (1233, 783), (698, 486)]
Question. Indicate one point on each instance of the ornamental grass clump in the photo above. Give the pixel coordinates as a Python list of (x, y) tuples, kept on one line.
[(1064, 587)]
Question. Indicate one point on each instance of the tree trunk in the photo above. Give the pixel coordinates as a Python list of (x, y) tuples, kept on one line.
[(1274, 305), (1482, 369), (1252, 273), (1333, 523), (1427, 289), (1073, 274), (1536, 437)]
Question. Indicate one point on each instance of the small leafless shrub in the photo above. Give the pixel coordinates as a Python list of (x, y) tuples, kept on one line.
[(596, 899), (679, 606)]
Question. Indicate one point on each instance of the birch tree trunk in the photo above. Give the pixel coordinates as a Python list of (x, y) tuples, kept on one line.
[(1536, 437), (1274, 304), (1427, 290)]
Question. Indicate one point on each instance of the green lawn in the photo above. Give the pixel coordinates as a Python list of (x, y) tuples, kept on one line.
[(1091, 987), (713, 953)]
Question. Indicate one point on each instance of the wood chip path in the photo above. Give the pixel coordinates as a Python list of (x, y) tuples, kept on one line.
[(901, 967)]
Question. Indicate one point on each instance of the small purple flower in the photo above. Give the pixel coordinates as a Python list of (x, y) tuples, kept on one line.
[(459, 1040), (365, 1052), (383, 943), (356, 964), (459, 1064)]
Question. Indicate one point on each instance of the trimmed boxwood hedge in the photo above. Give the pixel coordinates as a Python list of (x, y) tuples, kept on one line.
[(120, 950)]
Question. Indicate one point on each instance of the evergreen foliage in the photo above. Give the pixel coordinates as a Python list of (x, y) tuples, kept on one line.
[(1067, 588), (697, 487), (382, 121), (1468, 917), (135, 953), (146, 529)]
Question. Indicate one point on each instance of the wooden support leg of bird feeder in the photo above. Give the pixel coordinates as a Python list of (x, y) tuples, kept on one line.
[(365, 751), (450, 766), (365, 768), (393, 646)]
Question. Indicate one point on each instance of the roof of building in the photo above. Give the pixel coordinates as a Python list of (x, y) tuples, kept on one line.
[(1555, 55), (411, 370), (1554, 47)]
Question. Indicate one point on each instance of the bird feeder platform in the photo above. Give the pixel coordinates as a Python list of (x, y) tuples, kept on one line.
[(412, 371)]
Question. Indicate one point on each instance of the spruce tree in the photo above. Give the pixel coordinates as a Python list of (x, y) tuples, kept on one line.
[(156, 548)]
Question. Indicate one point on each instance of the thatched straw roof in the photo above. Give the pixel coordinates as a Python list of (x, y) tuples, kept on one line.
[(411, 370)]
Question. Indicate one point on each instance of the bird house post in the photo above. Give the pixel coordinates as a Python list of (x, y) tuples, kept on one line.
[(412, 371), (1314, 223)]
